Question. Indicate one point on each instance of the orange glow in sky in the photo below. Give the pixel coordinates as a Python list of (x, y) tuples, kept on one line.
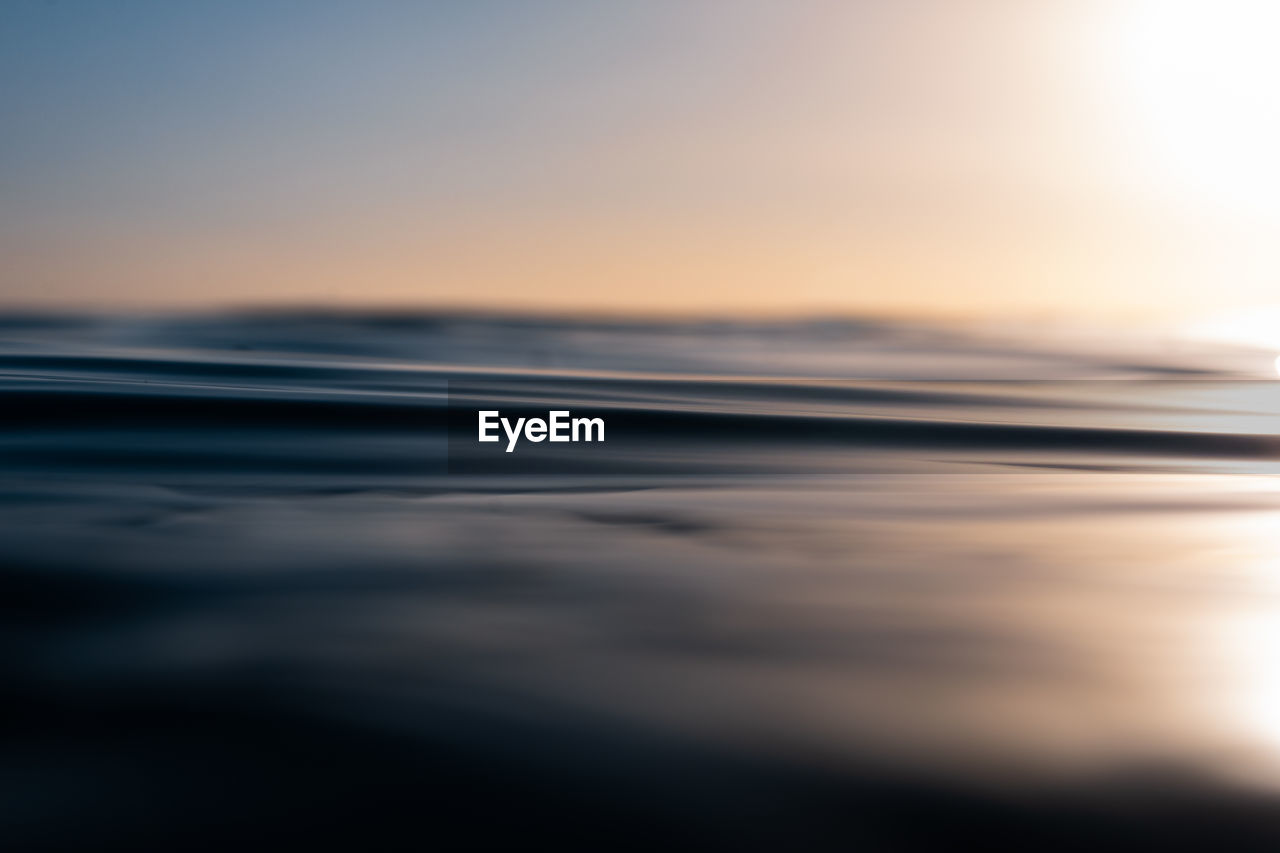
[(940, 157)]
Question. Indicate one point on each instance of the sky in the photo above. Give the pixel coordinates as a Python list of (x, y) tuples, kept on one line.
[(941, 157)]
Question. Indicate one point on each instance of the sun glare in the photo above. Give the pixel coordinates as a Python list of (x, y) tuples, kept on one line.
[(1257, 327), (1200, 77)]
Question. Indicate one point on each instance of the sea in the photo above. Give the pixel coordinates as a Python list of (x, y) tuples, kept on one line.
[(828, 584)]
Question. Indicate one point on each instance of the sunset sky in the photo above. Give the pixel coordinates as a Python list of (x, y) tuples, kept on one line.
[(972, 157)]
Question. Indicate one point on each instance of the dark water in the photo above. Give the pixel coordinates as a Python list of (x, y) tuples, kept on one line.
[(862, 587)]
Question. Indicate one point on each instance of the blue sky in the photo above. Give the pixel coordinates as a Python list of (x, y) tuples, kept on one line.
[(704, 155)]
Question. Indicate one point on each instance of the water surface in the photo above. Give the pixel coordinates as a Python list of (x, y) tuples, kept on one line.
[(867, 586)]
